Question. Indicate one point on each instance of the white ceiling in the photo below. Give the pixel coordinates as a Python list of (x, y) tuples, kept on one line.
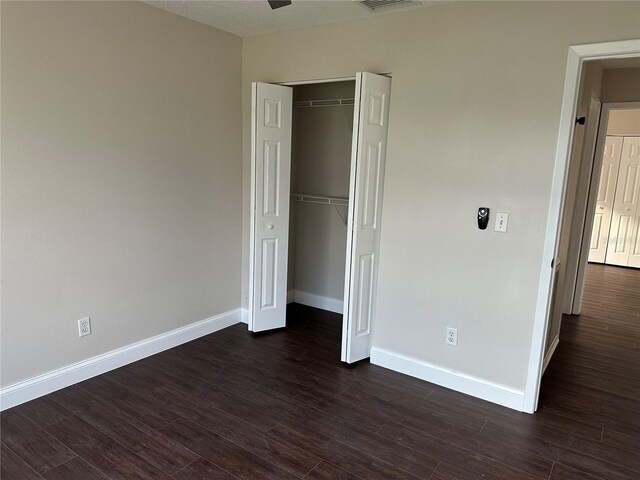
[(254, 17)]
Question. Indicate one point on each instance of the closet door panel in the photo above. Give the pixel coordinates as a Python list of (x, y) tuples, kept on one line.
[(363, 238), (270, 172), (606, 195), (624, 223)]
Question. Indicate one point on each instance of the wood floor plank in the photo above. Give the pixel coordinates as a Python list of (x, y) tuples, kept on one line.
[(283, 454), (132, 399), (137, 436), (572, 457), (37, 448), (354, 436), (75, 469), (201, 469), (630, 443), (107, 455), (562, 472), (226, 455), (15, 468), (349, 458), (493, 448), (326, 471), (368, 419), (454, 455), (239, 407), (43, 411), (446, 471), (414, 416)]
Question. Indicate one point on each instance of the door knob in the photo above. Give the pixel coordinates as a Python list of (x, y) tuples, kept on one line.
[(269, 226), (601, 208)]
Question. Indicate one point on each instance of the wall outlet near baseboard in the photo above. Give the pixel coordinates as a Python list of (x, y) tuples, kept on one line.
[(84, 327), (452, 336)]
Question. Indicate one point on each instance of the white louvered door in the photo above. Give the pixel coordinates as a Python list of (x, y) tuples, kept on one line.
[(270, 173), (365, 211)]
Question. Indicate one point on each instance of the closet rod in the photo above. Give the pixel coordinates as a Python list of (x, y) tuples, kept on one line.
[(334, 102), (322, 199)]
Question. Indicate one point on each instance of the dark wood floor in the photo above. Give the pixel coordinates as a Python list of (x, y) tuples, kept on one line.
[(238, 406)]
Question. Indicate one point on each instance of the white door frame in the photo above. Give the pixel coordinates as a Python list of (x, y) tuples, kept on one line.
[(591, 202), (578, 54), (586, 169)]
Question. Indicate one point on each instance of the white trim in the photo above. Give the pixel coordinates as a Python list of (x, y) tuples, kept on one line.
[(576, 57), (314, 81), (586, 166), (461, 382), (62, 377), (325, 80), (252, 218), (334, 305), (245, 316), (552, 350)]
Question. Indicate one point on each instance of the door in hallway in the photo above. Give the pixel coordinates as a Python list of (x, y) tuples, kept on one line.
[(624, 242)]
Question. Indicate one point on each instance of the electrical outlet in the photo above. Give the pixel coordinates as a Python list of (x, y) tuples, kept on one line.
[(245, 300), (452, 336), (84, 327)]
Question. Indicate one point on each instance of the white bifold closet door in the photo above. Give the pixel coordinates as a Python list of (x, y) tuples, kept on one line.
[(606, 195), (624, 242), (368, 153), (270, 191), (270, 173)]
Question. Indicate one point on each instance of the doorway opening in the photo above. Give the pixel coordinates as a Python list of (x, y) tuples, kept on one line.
[(321, 141), (615, 238), (591, 366), (318, 157)]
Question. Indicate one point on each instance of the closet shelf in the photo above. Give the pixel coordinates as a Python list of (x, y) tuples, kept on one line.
[(323, 199), (334, 102)]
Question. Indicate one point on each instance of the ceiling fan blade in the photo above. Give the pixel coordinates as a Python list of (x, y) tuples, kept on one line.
[(278, 3)]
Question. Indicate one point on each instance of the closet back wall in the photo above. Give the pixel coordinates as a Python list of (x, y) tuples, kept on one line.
[(321, 159)]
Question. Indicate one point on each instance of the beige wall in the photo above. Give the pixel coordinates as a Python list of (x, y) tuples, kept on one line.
[(621, 85), (121, 178), (475, 106), (624, 122)]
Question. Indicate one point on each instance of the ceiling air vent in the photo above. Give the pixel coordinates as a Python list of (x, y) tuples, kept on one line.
[(378, 5)]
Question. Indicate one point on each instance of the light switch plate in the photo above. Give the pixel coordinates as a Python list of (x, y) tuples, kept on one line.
[(502, 219)]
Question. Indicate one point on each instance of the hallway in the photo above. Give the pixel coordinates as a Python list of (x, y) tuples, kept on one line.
[(594, 376)]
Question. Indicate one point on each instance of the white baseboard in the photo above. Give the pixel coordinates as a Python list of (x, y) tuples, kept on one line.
[(55, 380), (474, 386), (552, 349), (325, 303)]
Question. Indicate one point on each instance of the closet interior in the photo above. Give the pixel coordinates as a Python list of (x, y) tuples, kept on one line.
[(322, 132)]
